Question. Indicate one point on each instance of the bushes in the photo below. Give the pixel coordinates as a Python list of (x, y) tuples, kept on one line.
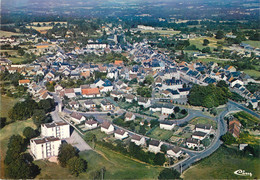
[(135, 151), (228, 138)]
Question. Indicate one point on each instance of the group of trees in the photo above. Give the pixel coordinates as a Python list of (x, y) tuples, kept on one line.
[(144, 91), (68, 157), (19, 165), (169, 173), (30, 108), (209, 96)]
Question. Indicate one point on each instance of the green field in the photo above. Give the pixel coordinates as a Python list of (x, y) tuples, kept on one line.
[(162, 32), (16, 59), (202, 120), (255, 44), (209, 59), (198, 42), (222, 164), (161, 134), (7, 132), (253, 73), (116, 166), (6, 104), (99, 135)]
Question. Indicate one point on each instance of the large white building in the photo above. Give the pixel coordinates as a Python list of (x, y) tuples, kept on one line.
[(57, 129), (47, 147)]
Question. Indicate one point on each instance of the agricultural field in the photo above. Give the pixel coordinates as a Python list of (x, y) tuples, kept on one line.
[(198, 42), (161, 32), (253, 73), (6, 133), (222, 164), (202, 120), (255, 44), (8, 33), (117, 166)]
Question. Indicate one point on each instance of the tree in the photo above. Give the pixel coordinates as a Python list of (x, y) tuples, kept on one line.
[(172, 116), (77, 165), (205, 142), (29, 132), (66, 152), (205, 42), (19, 169), (184, 111), (148, 80), (206, 50), (220, 35), (2, 122), (168, 173), (176, 109), (15, 147), (142, 130), (228, 138), (164, 148), (159, 159), (38, 117), (90, 137)]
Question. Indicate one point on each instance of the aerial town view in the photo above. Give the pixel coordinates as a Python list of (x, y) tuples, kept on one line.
[(130, 89)]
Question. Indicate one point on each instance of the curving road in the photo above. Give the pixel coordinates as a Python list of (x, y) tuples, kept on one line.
[(194, 156)]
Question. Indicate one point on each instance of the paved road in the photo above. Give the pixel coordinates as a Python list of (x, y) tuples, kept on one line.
[(244, 108), (222, 129), (75, 139)]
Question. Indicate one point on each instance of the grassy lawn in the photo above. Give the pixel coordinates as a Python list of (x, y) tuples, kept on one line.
[(6, 104), (161, 134), (16, 59), (209, 59), (50, 170), (7, 132), (8, 34), (202, 120), (99, 135), (163, 32), (116, 166), (255, 44), (222, 164), (253, 73)]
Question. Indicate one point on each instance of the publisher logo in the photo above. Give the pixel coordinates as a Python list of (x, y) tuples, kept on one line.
[(241, 172)]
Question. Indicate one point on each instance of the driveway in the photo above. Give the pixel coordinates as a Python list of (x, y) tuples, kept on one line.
[(76, 140)]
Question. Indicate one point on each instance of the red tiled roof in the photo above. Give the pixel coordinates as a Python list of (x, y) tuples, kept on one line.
[(91, 91)]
